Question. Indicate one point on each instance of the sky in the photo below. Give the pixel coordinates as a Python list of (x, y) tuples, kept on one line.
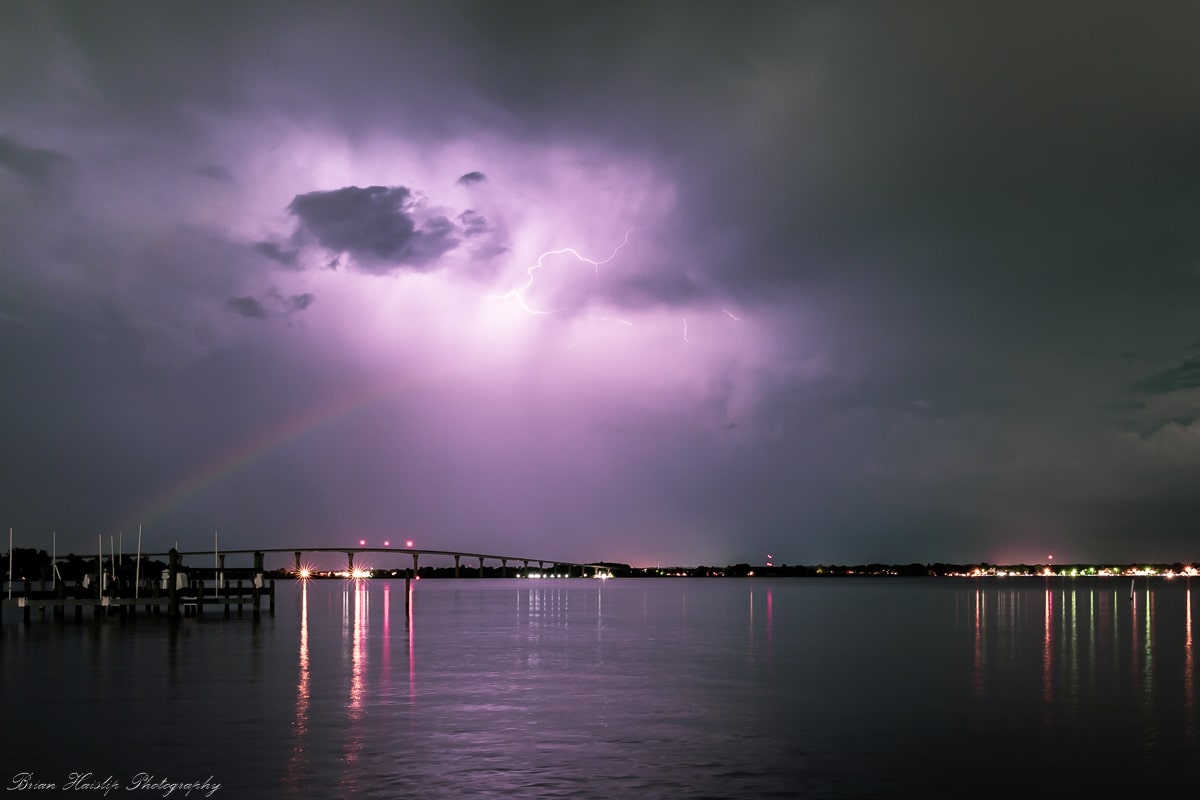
[(646, 282)]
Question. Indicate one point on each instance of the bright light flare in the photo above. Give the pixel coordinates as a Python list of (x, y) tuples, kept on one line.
[(408, 543)]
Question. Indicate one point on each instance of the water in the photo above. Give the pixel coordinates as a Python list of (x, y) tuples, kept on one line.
[(731, 688)]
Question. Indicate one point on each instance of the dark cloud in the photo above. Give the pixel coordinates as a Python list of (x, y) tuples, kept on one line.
[(284, 304), (299, 302), (375, 225), (247, 307), (34, 164), (277, 253), (473, 224), (471, 178), (1182, 376), (215, 172)]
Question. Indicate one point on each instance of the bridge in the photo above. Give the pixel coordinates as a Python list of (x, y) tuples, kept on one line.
[(260, 553), (181, 587)]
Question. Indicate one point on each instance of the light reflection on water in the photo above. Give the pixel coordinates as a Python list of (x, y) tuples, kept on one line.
[(1189, 686), (656, 688)]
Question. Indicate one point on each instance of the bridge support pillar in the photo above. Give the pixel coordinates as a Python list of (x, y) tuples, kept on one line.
[(525, 574), (414, 569), (504, 567), (481, 566), (297, 554), (456, 572)]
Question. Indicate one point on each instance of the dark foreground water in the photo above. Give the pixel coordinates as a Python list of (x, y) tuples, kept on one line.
[(738, 688)]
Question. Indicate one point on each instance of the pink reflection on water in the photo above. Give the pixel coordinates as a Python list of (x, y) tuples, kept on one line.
[(387, 629), (1133, 640), (358, 650), (1189, 687), (408, 621), (356, 706), (1148, 687), (979, 682), (1047, 656), (299, 756), (770, 624)]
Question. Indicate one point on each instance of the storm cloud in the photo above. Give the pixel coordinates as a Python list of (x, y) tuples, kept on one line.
[(375, 225), (32, 163)]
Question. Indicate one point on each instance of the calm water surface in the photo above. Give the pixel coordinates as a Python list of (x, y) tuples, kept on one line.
[(738, 688)]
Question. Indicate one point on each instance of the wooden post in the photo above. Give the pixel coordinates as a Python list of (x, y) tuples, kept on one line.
[(258, 580), (28, 604), (172, 591), (239, 597), (272, 597), (407, 593)]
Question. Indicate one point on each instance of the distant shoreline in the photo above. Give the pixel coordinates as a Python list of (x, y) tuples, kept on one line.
[(937, 570)]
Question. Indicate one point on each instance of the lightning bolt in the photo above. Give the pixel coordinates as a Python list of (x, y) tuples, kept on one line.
[(518, 293), (686, 340), (731, 315)]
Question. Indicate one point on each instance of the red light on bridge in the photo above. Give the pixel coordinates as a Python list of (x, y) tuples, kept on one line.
[(409, 543)]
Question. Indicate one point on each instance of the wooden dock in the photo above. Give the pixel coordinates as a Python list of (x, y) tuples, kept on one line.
[(192, 599)]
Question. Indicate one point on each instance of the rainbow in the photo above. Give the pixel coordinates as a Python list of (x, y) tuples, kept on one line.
[(229, 461)]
